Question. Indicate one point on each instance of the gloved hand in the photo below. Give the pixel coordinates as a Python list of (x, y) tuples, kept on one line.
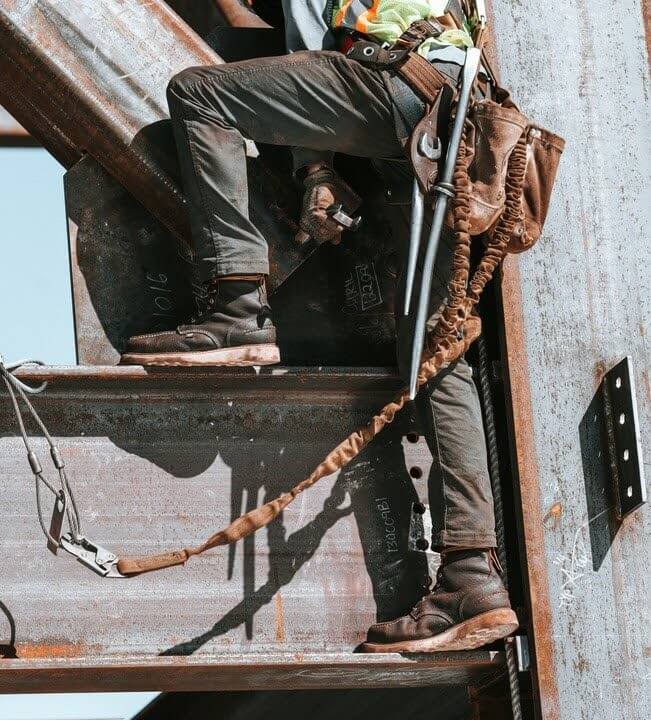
[(323, 188)]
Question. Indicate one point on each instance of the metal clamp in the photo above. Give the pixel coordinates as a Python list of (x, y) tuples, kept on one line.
[(97, 558)]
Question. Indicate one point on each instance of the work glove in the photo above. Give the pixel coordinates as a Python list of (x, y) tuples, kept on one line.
[(323, 191)]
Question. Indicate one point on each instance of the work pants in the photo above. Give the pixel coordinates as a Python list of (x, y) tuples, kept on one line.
[(326, 103)]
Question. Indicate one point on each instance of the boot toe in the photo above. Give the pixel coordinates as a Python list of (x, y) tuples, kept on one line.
[(394, 631), (154, 343)]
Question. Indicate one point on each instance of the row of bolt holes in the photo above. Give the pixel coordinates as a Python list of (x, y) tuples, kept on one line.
[(622, 419), (414, 471), (417, 473)]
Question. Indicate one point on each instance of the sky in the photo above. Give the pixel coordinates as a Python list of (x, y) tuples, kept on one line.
[(36, 322), (35, 302)]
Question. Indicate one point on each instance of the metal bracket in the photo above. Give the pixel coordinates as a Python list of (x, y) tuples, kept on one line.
[(623, 437), (97, 558)]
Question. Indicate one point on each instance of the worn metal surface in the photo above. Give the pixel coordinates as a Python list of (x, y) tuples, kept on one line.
[(574, 306), (251, 671), (158, 463), (91, 77)]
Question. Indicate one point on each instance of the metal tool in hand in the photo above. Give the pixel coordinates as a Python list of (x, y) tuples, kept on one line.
[(443, 190), (342, 218)]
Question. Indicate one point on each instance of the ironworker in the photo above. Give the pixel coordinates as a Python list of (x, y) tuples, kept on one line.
[(321, 102)]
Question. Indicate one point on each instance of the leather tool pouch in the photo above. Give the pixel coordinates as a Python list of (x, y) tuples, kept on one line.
[(494, 132), (496, 128), (543, 155)]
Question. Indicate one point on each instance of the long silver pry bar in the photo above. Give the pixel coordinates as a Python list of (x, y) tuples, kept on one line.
[(444, 190)]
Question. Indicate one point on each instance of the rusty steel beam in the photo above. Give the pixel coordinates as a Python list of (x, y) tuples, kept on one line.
[(88, 77), (156, 460), (97, 72), (574, 306), (318, 671)]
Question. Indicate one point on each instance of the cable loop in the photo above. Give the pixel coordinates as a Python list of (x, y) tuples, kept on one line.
[(64, 494), (10, 367)]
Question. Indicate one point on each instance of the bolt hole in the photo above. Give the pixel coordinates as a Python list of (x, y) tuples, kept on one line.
[(412, 437), (629, 491), (622, 418), (422, 544), (618, 382), (626, 455), (416, 472), (419, 508)]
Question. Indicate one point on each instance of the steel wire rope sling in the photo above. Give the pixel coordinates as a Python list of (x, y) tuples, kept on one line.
[(458, 327)]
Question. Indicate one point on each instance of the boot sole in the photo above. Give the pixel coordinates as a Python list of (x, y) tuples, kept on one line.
[(243, 356), (468, 635)]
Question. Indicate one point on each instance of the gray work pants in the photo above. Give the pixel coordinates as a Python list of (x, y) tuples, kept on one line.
[(324, 102)]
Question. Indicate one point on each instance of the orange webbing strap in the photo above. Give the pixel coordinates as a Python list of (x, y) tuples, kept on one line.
[(458, 328), (421, 76), (446, 352)]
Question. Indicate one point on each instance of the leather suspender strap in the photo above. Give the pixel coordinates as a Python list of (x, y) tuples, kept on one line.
[(422, 77)]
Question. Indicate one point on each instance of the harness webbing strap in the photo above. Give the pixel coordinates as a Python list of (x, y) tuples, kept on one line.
[(422, 76)]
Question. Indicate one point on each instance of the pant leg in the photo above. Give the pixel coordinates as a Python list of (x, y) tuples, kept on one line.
[(459, 488), (317, 100)]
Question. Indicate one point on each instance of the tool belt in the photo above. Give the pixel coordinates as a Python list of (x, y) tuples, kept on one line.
[(495, 127)]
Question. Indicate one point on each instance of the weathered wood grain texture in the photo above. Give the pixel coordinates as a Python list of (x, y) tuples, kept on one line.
[(581, 68), (157, 465)]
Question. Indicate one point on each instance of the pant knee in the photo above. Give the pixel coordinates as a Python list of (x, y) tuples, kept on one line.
[(182, 84)]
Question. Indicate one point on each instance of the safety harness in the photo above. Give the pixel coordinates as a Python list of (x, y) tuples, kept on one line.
[(458, 327)]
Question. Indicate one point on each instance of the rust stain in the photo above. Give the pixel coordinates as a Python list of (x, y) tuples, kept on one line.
[(280, 618), (598, 373), (55, 649), (521, 421), (553, 516), (647, 385)]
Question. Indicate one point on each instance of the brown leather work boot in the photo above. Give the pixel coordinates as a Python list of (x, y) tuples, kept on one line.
[(234, 327), (468, 607)]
